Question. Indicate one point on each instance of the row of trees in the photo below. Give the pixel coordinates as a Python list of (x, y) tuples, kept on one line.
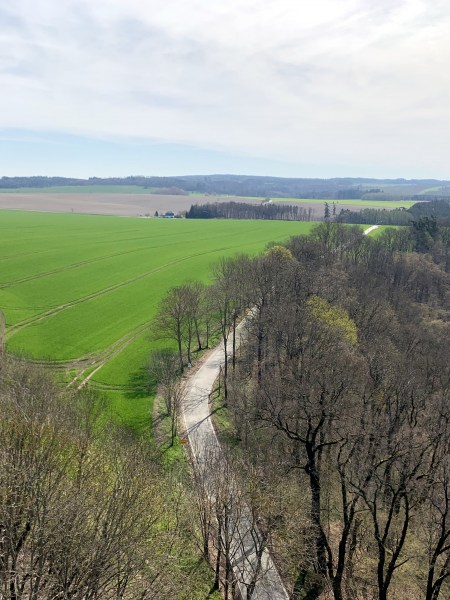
[(340, 399), (242, 210)]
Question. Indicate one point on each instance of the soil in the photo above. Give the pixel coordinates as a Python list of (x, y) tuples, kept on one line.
[(126, 205)]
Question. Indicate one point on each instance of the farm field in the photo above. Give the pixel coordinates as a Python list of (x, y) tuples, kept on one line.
[(351, 204), (134, 201), (79, 291), (77, 189)]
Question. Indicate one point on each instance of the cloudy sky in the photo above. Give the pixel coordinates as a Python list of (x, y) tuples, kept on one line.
[(289, 87)]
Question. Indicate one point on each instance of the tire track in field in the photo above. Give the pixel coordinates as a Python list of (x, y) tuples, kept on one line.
[(22, 254), (109, 387), (107, 355), (70, 267), (13, 329), (88, 364), (101, 359)]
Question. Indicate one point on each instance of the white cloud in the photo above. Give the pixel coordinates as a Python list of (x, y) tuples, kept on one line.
[(353, 82)]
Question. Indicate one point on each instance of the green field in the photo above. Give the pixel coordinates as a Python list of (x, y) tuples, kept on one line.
[(388, 204), (79, 291)]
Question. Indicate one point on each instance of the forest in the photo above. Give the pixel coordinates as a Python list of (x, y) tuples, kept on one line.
[(336, 407), (435, 209), (335, 412)]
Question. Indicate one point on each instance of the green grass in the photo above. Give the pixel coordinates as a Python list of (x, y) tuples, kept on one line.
[(388, 204), (86, 287), (381, 228)]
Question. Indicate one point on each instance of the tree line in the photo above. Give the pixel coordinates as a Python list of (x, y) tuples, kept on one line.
[(339, 404), (242, 210), (259, 186), (434, 209)]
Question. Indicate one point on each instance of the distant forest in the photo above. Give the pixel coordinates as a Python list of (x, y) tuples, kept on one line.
[(246, 185), (437, 209)]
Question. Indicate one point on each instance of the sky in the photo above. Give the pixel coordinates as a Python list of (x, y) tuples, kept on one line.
[(296, 88)]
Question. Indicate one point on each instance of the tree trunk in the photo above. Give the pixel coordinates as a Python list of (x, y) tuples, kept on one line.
[(315, 487), (234, 341), (218, 557), (225, 369)]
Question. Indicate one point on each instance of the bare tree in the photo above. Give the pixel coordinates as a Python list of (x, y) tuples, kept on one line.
[(180, 317), (80, 507), (170, 321)]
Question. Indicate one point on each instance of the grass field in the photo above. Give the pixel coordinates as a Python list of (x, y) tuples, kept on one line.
[(79, 291), (387, 204)]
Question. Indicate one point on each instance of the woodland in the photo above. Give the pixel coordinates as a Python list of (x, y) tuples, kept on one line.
[(336, 407), (336, 418)]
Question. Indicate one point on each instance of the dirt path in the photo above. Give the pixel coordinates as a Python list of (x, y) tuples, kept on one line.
[(369, 229)]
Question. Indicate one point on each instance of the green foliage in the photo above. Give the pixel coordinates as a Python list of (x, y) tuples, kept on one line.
[(308, 586), (334, 317), (424, 231), (376, 216), (439, 209), (387, 204), (279, 252)]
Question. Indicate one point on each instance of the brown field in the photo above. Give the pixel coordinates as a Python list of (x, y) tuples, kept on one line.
[(126, 205), (129, 205)]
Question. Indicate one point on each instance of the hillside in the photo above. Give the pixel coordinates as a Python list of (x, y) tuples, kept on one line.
[(244, 185)]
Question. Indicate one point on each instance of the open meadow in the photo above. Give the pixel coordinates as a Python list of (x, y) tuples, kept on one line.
[(79, 291)]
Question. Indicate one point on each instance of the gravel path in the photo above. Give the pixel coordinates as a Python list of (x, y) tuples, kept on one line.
[(203, 442)]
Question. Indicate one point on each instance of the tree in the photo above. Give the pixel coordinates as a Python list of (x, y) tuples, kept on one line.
[(179, 318), (226, 301), (163, 368), (72, 523)]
